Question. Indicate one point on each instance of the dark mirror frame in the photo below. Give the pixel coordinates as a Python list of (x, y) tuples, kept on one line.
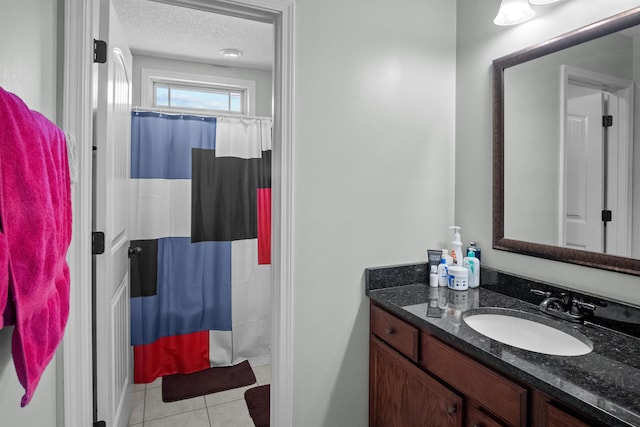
[(598, 29)]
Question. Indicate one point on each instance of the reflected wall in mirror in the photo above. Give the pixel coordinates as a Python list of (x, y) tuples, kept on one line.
[(566, 145)]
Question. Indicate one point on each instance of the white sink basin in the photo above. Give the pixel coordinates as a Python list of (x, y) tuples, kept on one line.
[(528, 331)]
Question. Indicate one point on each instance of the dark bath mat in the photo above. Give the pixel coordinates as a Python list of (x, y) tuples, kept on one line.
[(257, 399), (211, 380)]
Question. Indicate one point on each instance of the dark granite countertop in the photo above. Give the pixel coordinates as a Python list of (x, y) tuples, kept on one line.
[(604, 384)]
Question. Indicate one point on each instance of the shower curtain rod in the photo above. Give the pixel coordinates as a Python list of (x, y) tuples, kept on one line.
[(195, 113)]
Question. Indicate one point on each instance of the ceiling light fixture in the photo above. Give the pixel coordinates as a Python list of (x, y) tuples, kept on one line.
[(231, 53), (513, 12)]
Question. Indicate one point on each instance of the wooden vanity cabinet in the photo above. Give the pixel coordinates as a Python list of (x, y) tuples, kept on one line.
[(415, 379), (403, 393)]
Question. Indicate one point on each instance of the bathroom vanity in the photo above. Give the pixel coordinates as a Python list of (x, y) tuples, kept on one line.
[(429, 368)]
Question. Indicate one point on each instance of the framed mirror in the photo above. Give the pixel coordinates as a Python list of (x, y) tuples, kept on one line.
[(566, 147)]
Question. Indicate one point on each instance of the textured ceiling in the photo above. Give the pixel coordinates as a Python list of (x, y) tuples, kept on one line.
[(164, 30)]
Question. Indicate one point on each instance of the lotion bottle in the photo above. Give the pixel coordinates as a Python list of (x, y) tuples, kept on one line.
[(456, 248), (472, 264), (443, 273)]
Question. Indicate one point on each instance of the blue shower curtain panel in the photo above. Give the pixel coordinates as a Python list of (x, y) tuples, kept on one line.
[(196, 186)]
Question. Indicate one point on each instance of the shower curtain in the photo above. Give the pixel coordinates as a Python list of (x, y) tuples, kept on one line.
[(201, 213)]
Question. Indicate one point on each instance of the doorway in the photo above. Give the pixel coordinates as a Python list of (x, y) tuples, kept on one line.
[(79, 15), (596, 153)]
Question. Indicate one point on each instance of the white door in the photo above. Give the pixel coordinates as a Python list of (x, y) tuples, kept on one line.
[(111, 174), (584, 168)]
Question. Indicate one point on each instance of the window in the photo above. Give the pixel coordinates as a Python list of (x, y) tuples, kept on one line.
[(198, 97), (183, 91)]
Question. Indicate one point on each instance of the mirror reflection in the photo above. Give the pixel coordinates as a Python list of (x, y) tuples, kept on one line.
[(571, 150)]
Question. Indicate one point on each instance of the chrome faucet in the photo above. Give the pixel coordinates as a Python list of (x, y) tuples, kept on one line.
[(564, 307)]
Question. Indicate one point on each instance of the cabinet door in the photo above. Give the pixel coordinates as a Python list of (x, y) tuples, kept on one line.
[(386, 379), (546, 413), (556, 417), (402, 395)]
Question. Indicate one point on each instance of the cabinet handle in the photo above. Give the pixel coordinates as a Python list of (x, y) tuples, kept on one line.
[(451, 410), (389, 331)]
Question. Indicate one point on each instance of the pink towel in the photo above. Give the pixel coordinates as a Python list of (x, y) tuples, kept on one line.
[(35, 233)]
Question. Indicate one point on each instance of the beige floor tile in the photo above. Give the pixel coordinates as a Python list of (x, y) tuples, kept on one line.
[(233, 414), (198, 418), (136, 415), (226, 396), (155, 384), (138, 387), (263, 374), (155, 408)]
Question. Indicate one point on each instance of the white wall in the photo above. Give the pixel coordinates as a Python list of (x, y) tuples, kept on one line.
[(263, 79), (28, 68), (479, 42), (373, 178)]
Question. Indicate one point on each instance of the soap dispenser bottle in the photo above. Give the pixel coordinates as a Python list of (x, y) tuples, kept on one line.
[(477, 252), (472, 264), (456, 246)]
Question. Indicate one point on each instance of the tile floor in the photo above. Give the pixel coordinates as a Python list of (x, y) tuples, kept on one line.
[(224, 409)]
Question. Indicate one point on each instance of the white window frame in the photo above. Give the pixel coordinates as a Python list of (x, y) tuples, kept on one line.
[(149, 76)]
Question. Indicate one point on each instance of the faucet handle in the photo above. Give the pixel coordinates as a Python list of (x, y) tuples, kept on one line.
[(540, 293), (584, 305)]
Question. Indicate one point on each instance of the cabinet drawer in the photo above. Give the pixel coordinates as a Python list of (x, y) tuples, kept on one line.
[(395, 332), (502, 397), (477, 418)]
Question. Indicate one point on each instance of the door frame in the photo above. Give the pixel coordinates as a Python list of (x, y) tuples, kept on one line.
[(622, 163), (79, 18)]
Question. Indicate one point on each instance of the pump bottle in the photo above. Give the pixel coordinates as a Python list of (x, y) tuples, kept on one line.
[(456, 246), (472, 264)]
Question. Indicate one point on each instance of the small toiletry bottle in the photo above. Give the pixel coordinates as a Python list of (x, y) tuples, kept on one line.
[(456, 249), (472, 264), (433, 277), (447, 257), (443, 273), (472, 245)]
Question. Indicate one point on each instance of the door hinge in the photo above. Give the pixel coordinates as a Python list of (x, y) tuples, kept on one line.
[(97, 243), (99, 51), (607, 121), (606, 215)]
